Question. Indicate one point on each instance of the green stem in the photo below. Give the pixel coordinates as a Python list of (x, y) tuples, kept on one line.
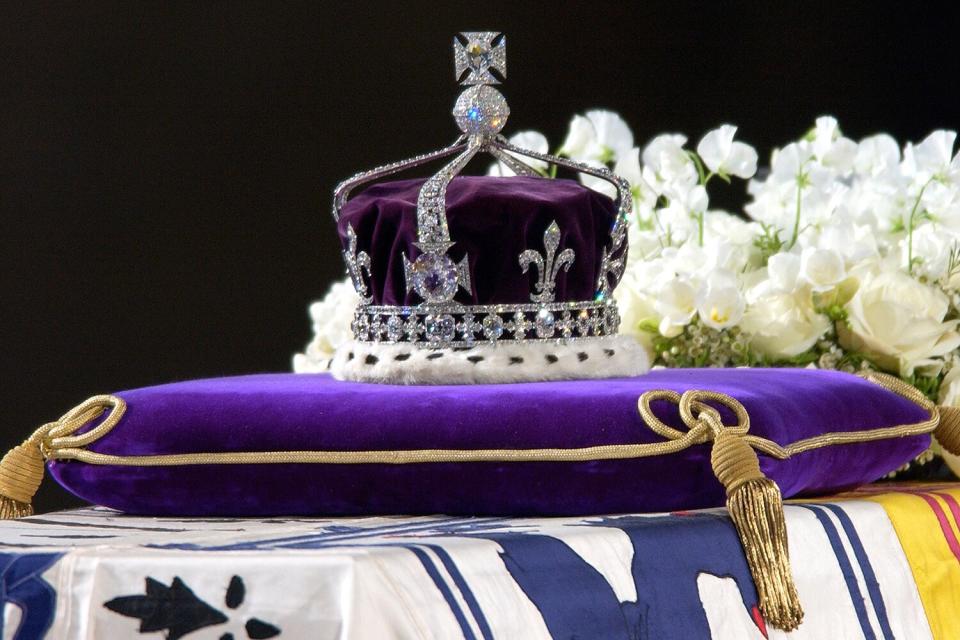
[(910, 221), (801, 179)]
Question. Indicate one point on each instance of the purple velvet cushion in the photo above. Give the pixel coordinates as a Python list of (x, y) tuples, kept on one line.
[(491, 220), (282, 412)]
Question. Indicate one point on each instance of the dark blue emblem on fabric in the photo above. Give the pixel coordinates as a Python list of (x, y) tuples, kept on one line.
[(22, 584)]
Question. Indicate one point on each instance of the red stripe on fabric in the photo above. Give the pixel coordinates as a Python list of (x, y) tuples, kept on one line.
[(954, 507), (944, 523)]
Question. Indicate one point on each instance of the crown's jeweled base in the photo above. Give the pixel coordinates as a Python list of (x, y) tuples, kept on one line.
[(609, 357)]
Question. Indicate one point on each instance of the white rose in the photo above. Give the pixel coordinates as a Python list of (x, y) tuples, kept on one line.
[(331, 327), (783, 325), (898, 322), (822, 269)]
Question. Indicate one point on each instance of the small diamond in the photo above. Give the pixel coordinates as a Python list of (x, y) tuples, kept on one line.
[(566, 325), (583, 322), (520, 325), (434, 277), (611, 319), (492, 327), (469, 328), (546, 324), (394, 328), (362, 327), (412, 328), (440, 329)]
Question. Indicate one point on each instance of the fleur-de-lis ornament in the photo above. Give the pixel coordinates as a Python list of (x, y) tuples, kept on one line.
[(357, 263), (548, 265)]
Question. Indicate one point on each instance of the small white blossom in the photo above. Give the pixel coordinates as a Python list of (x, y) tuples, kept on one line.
[(600, 136), (725, 156)]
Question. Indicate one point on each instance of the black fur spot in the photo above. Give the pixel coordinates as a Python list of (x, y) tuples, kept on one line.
[(434, 356), (551, 358), (350, 356), (582, 356), (371, 359), (475, 359), (610, 352), (400, 357), (516, 360)]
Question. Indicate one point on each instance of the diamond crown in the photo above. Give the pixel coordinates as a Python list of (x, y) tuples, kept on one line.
[(439, 321)]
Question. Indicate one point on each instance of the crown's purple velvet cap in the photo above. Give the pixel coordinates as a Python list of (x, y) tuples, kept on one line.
[(491, 220)]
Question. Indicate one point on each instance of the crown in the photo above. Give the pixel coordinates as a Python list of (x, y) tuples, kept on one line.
[(458, 263)]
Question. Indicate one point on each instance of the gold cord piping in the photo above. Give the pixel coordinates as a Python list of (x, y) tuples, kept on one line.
[(59, 444)]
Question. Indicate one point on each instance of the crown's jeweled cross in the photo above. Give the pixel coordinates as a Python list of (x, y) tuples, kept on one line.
[(478, 55)]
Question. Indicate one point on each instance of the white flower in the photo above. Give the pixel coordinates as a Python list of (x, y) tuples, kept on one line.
[(783, 270), (676, 303), (532, 140), (721, 304), (933, 158), (724, 156), (668, 168), (877, 155), (601, 136), (932, 245), (830, 147), (898, 322), (783, 325), (822, 269), (331, 327)]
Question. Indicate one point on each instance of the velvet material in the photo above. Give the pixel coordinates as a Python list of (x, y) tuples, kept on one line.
[(315, 412), (492, 220)]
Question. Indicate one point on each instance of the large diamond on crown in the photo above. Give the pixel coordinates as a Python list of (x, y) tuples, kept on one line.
[(434, 277)]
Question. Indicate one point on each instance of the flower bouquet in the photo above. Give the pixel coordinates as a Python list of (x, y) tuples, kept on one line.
[(846, 256)]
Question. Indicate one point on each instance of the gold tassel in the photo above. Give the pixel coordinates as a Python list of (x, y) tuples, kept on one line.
[(756, 508), (947, 432), (21, 472)]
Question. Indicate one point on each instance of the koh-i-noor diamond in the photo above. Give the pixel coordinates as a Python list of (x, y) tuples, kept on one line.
[(439, 321)]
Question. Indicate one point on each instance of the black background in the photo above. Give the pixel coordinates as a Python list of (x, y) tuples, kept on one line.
[(166, 168)]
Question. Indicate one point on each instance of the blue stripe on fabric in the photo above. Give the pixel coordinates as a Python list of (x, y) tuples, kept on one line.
[(846, 568), (464, 588), (444, 590), (340, 533), (869, 576)]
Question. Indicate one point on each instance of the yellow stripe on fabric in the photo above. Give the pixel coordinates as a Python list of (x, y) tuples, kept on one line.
[(926, 525)]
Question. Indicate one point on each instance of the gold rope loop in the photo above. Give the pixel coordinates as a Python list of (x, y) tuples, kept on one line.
[(21, 469)]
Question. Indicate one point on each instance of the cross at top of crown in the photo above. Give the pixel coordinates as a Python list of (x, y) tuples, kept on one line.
[(476, 54)]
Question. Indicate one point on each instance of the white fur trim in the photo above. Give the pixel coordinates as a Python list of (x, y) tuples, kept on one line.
[(608, 357)]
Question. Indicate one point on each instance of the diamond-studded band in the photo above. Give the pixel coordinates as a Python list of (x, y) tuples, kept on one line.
[(445, 326)]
